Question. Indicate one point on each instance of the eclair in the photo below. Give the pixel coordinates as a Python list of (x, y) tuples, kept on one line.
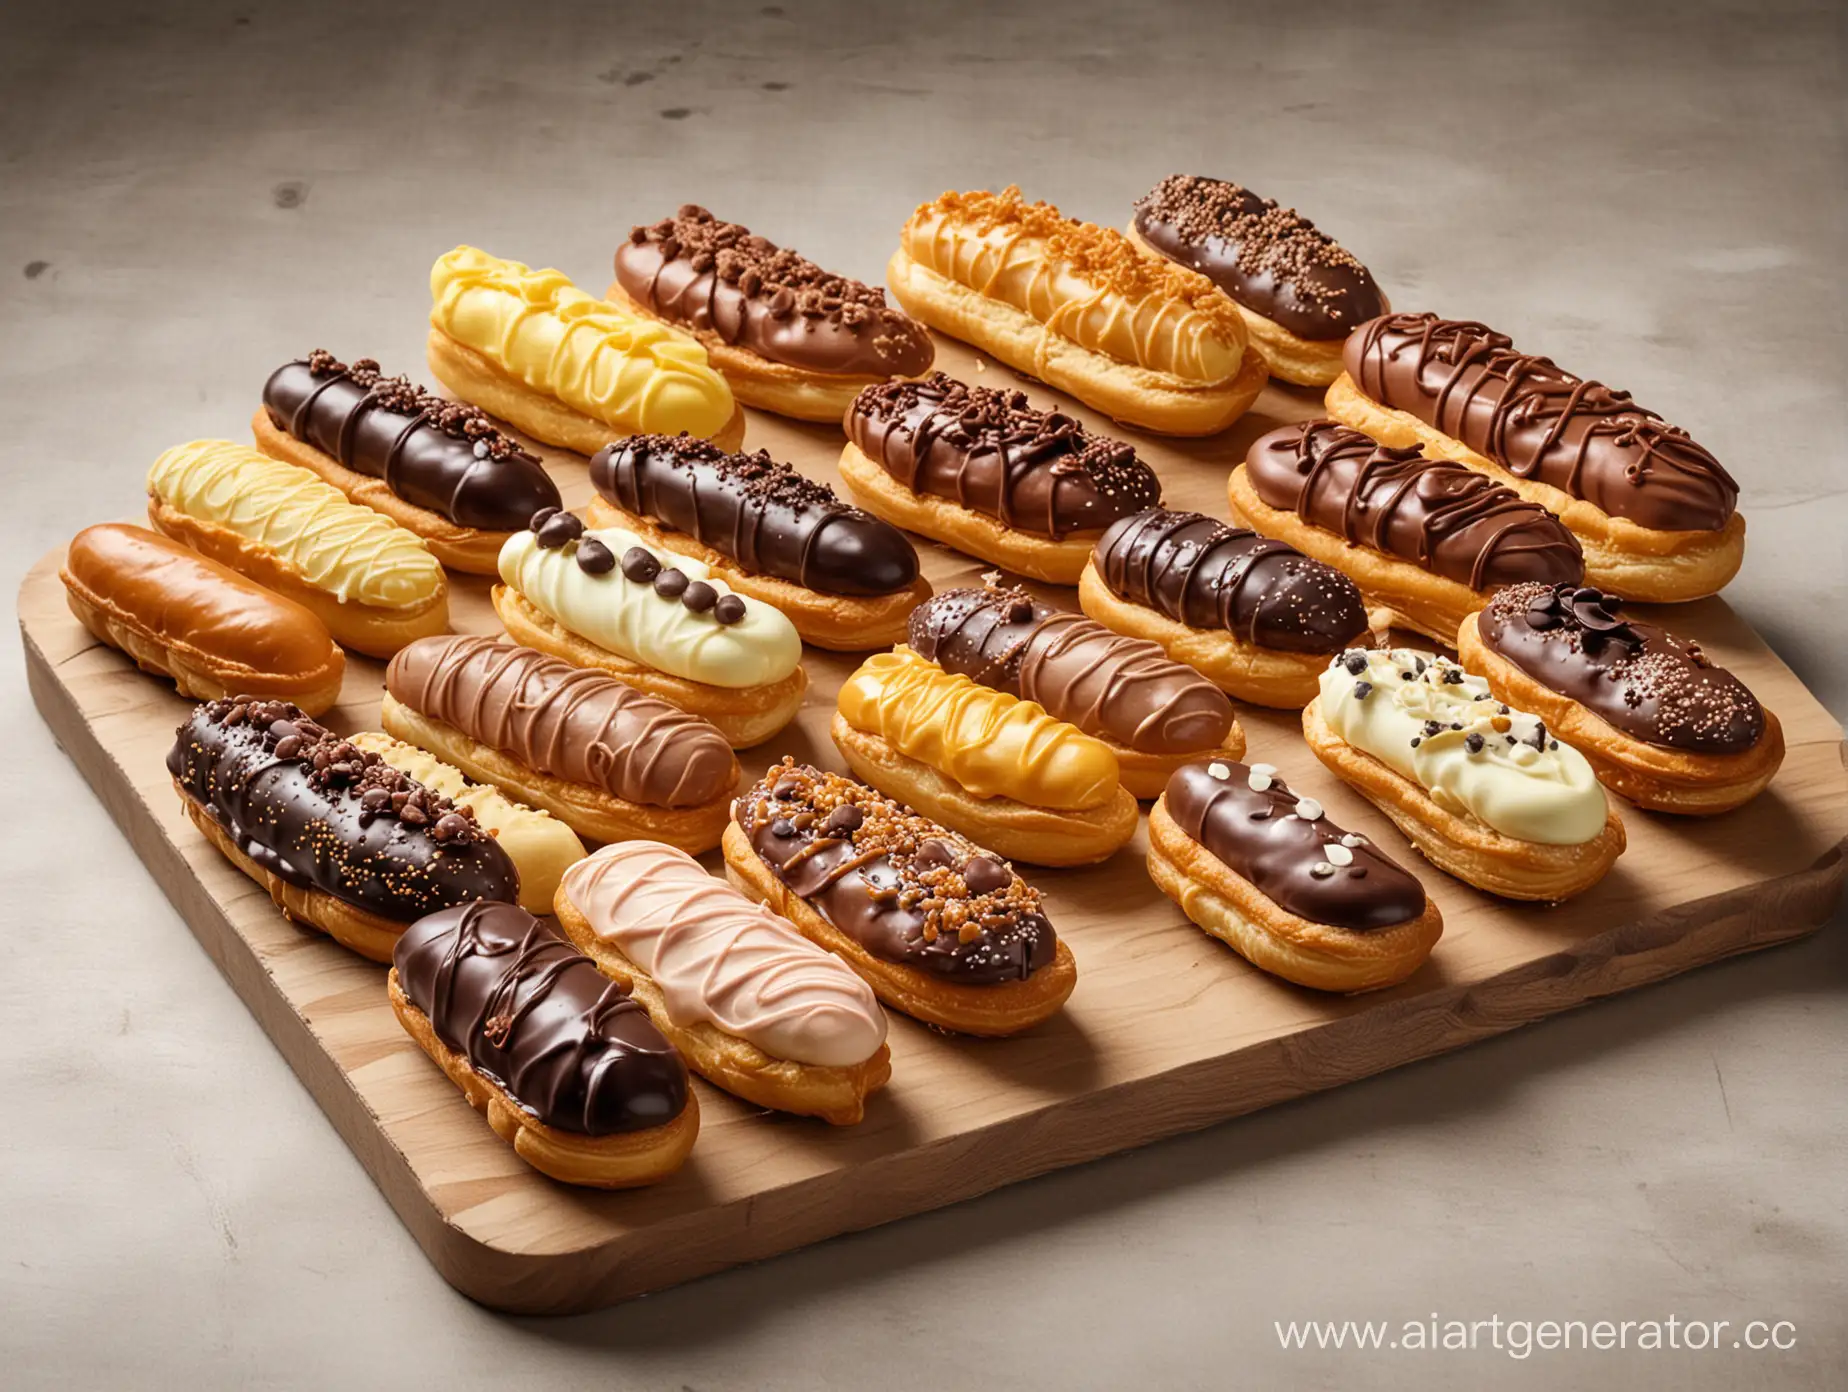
[(1253, 616), (1153, 714), (608, 761), (984, 472), (438, 468), (1264, 870), (1427, 540), (374, 584), (1487, 792), (1299, 292), (940, 929), (1657, 721), (202, 624), (565, 1065), (843, 577), (571, 371), (1080, 308), (752, 1005), (343, 842), (789, 336), (996, 768), (655, 620), (1655, 513)]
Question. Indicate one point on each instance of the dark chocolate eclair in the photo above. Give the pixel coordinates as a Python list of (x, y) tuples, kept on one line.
[(319, 813), (989, 451), (1436, 513), (762, 514), (1272, 260), (695, 270), (902, 887), (1640, 678), (444, 456), (1538, 421), (1250, 821), (1201, 572), (1125, 690), (535, 1016)]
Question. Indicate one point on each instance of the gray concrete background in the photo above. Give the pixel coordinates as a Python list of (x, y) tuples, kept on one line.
[(1652, 194)]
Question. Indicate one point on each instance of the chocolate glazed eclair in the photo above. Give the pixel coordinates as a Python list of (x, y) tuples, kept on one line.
[(442, 469), (1152, 712), (1255, 617), (1426, 539), (982, 471), (845, 578)]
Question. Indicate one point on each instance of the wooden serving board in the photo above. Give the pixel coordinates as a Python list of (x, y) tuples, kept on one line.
[(1168, 1030)]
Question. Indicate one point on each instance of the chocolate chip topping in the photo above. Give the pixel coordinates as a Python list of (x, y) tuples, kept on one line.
[(554, 527)]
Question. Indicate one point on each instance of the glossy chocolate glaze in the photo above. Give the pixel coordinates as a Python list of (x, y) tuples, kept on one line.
[(762, 514), (899, 885), (1437, 514), (439, 455), (565, 721), (989, 451), (320, 814), (1640, 678), (1201, 572), (1540, 422), (534, 1015), (1125, 690)]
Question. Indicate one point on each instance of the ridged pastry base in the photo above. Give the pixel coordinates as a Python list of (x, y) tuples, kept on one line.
[(1002, 1009), (626, 1160)]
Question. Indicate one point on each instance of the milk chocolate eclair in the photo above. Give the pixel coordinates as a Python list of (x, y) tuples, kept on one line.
[(845, 578), (1656, 720), (1255, 617), (441, 469), (343, 841), (1426, 539), (789, 336), (981, 470), (1264, 870), (940, 929), (1655, 513), (562, 1061)]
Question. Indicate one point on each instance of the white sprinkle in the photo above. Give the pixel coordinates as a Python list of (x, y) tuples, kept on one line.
[(1260, 778), (1321, 869), (1338, 854), (481, 449), (1351, 840), (1219, 771), (1266, 769), (1308, 809)]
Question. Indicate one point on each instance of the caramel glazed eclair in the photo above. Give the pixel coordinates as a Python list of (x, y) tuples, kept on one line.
[(789, 336), (985, 473), (1426, 539), (1080, 308), (1655, 513), (1264, 870), (608, 761), (1253, 616), (752, 1005), (1486, 791), (439, 468), (1299, 292), (940, 929), (1658, 722), (843, 577), (342, 841), (655, 620)]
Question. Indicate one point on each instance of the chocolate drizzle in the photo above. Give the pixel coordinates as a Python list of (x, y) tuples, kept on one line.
[(536, 1017), (1200, 572), (989, 451), (1540, 422), (444, 456), (902, 887), (760, 513), (1444, 517), (1635, 676)]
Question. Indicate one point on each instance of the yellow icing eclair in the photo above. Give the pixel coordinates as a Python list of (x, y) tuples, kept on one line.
[(567, 368), (996, 768), (374, 584)]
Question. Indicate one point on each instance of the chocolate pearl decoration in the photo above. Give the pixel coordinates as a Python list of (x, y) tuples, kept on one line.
[(594, 558), (699, 597), (985, 875), (844, 820), (640, 565), (558, 530), (671, 583), (729, 610), (541, 517)]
